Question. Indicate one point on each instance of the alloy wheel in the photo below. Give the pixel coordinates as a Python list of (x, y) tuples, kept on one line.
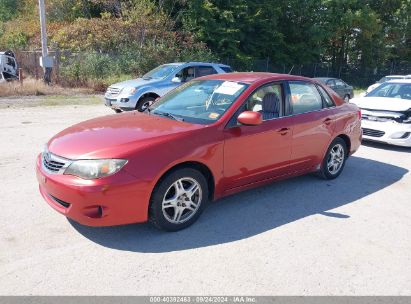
[(335, 159), (182, 200)]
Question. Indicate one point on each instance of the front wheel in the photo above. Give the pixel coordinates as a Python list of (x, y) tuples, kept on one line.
[(144, 103), (334, 160), (178, 200)]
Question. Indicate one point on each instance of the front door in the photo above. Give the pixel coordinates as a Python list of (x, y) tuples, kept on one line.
[(256, 153)]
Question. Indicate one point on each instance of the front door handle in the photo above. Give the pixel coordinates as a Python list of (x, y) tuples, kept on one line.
[(283, 131), (327, 121)]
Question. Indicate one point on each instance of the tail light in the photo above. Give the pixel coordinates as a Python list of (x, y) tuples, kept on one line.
[(359, 114)]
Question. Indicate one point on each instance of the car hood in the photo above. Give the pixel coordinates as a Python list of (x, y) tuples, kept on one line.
[(382, 103), (116, 136), (135, 83)]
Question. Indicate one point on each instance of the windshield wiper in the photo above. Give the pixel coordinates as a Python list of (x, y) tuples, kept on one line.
[(169, 115)]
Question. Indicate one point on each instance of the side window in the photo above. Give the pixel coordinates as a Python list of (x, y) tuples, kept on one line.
[(304, 97), (226, 69), (186, 74), (339, 83), (331, 83), (205, 70), (328, 100), (267, 100)]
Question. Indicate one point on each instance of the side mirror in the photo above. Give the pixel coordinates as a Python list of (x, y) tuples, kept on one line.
[(176, 79), (250, 118)]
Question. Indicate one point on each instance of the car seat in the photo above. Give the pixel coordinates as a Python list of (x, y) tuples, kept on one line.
[(270, 106)]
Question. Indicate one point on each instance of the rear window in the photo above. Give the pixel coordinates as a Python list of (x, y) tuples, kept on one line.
[(206, 70), (328, 100), (227, 69)]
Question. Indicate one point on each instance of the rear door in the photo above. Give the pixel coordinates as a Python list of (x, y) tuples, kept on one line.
[(314, 123)]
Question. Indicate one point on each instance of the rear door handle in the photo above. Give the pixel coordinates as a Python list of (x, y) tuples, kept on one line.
[(283, 131), (327, 121)]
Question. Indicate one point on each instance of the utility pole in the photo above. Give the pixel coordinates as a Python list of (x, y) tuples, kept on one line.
[(46, 62)]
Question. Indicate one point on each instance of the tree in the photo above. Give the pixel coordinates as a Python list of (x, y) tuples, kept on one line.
[(8, 9)]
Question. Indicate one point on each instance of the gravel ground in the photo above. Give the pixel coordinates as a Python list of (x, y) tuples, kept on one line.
[(303, 236)]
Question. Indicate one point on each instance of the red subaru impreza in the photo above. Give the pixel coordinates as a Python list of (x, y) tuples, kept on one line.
[(209, 138)]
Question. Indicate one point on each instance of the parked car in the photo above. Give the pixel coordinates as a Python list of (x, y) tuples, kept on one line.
[(385, 79), (211, 137), (8, 66), (344, 90), (386, 113), (140, 93)]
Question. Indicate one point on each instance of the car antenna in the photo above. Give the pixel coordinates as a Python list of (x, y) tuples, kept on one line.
[(290, 70)]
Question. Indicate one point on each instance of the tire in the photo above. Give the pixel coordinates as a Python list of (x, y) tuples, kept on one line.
[(330, 169), (171, 211), (346, 98), (144, 103), (117, 110)]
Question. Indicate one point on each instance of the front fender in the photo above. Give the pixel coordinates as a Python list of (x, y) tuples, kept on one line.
[(145, 90)]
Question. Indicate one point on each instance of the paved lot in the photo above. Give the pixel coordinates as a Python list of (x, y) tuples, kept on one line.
[(350, 236)]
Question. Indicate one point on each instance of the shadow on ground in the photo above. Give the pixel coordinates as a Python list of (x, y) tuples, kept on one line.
[(256, 211)]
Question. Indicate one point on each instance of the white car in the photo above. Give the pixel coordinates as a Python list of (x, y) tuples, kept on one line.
[(8, 66), (386, 113), (385, 79)]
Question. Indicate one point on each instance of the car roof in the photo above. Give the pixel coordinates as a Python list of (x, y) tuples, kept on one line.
[(251, 77), (399, 81), (325, 78), (197, 63)]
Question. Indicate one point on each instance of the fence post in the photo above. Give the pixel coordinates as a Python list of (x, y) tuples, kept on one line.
[(36, 75), (57, 69), (21, 76)]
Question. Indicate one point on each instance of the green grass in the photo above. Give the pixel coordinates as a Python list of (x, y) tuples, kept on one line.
[(49, 101)]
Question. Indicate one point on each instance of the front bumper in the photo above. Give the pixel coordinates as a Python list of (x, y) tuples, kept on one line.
[(124, 103), (115, 200), (389, 132)]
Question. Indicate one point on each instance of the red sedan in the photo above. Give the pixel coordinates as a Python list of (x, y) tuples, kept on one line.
[(214, 136)]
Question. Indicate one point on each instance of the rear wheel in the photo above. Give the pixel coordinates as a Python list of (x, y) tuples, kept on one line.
[(144, 103), (334, 160), (178, 200)]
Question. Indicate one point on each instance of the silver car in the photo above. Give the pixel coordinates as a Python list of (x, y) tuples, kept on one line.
[(140, 93)]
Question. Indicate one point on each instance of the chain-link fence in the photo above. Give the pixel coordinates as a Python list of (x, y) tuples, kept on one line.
[(64, 60), (354, 76)]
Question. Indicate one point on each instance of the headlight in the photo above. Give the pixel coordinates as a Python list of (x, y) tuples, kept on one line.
[(95, 168), (130, 91)]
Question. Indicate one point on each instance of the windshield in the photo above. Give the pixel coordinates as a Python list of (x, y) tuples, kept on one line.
[(201, 101), (392, 90), (161, 72), (387, 78)]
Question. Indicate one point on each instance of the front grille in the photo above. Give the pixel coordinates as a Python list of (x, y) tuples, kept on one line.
[(376, 118), (53, 163), (113, 91), (59, 201), (372, 132)]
